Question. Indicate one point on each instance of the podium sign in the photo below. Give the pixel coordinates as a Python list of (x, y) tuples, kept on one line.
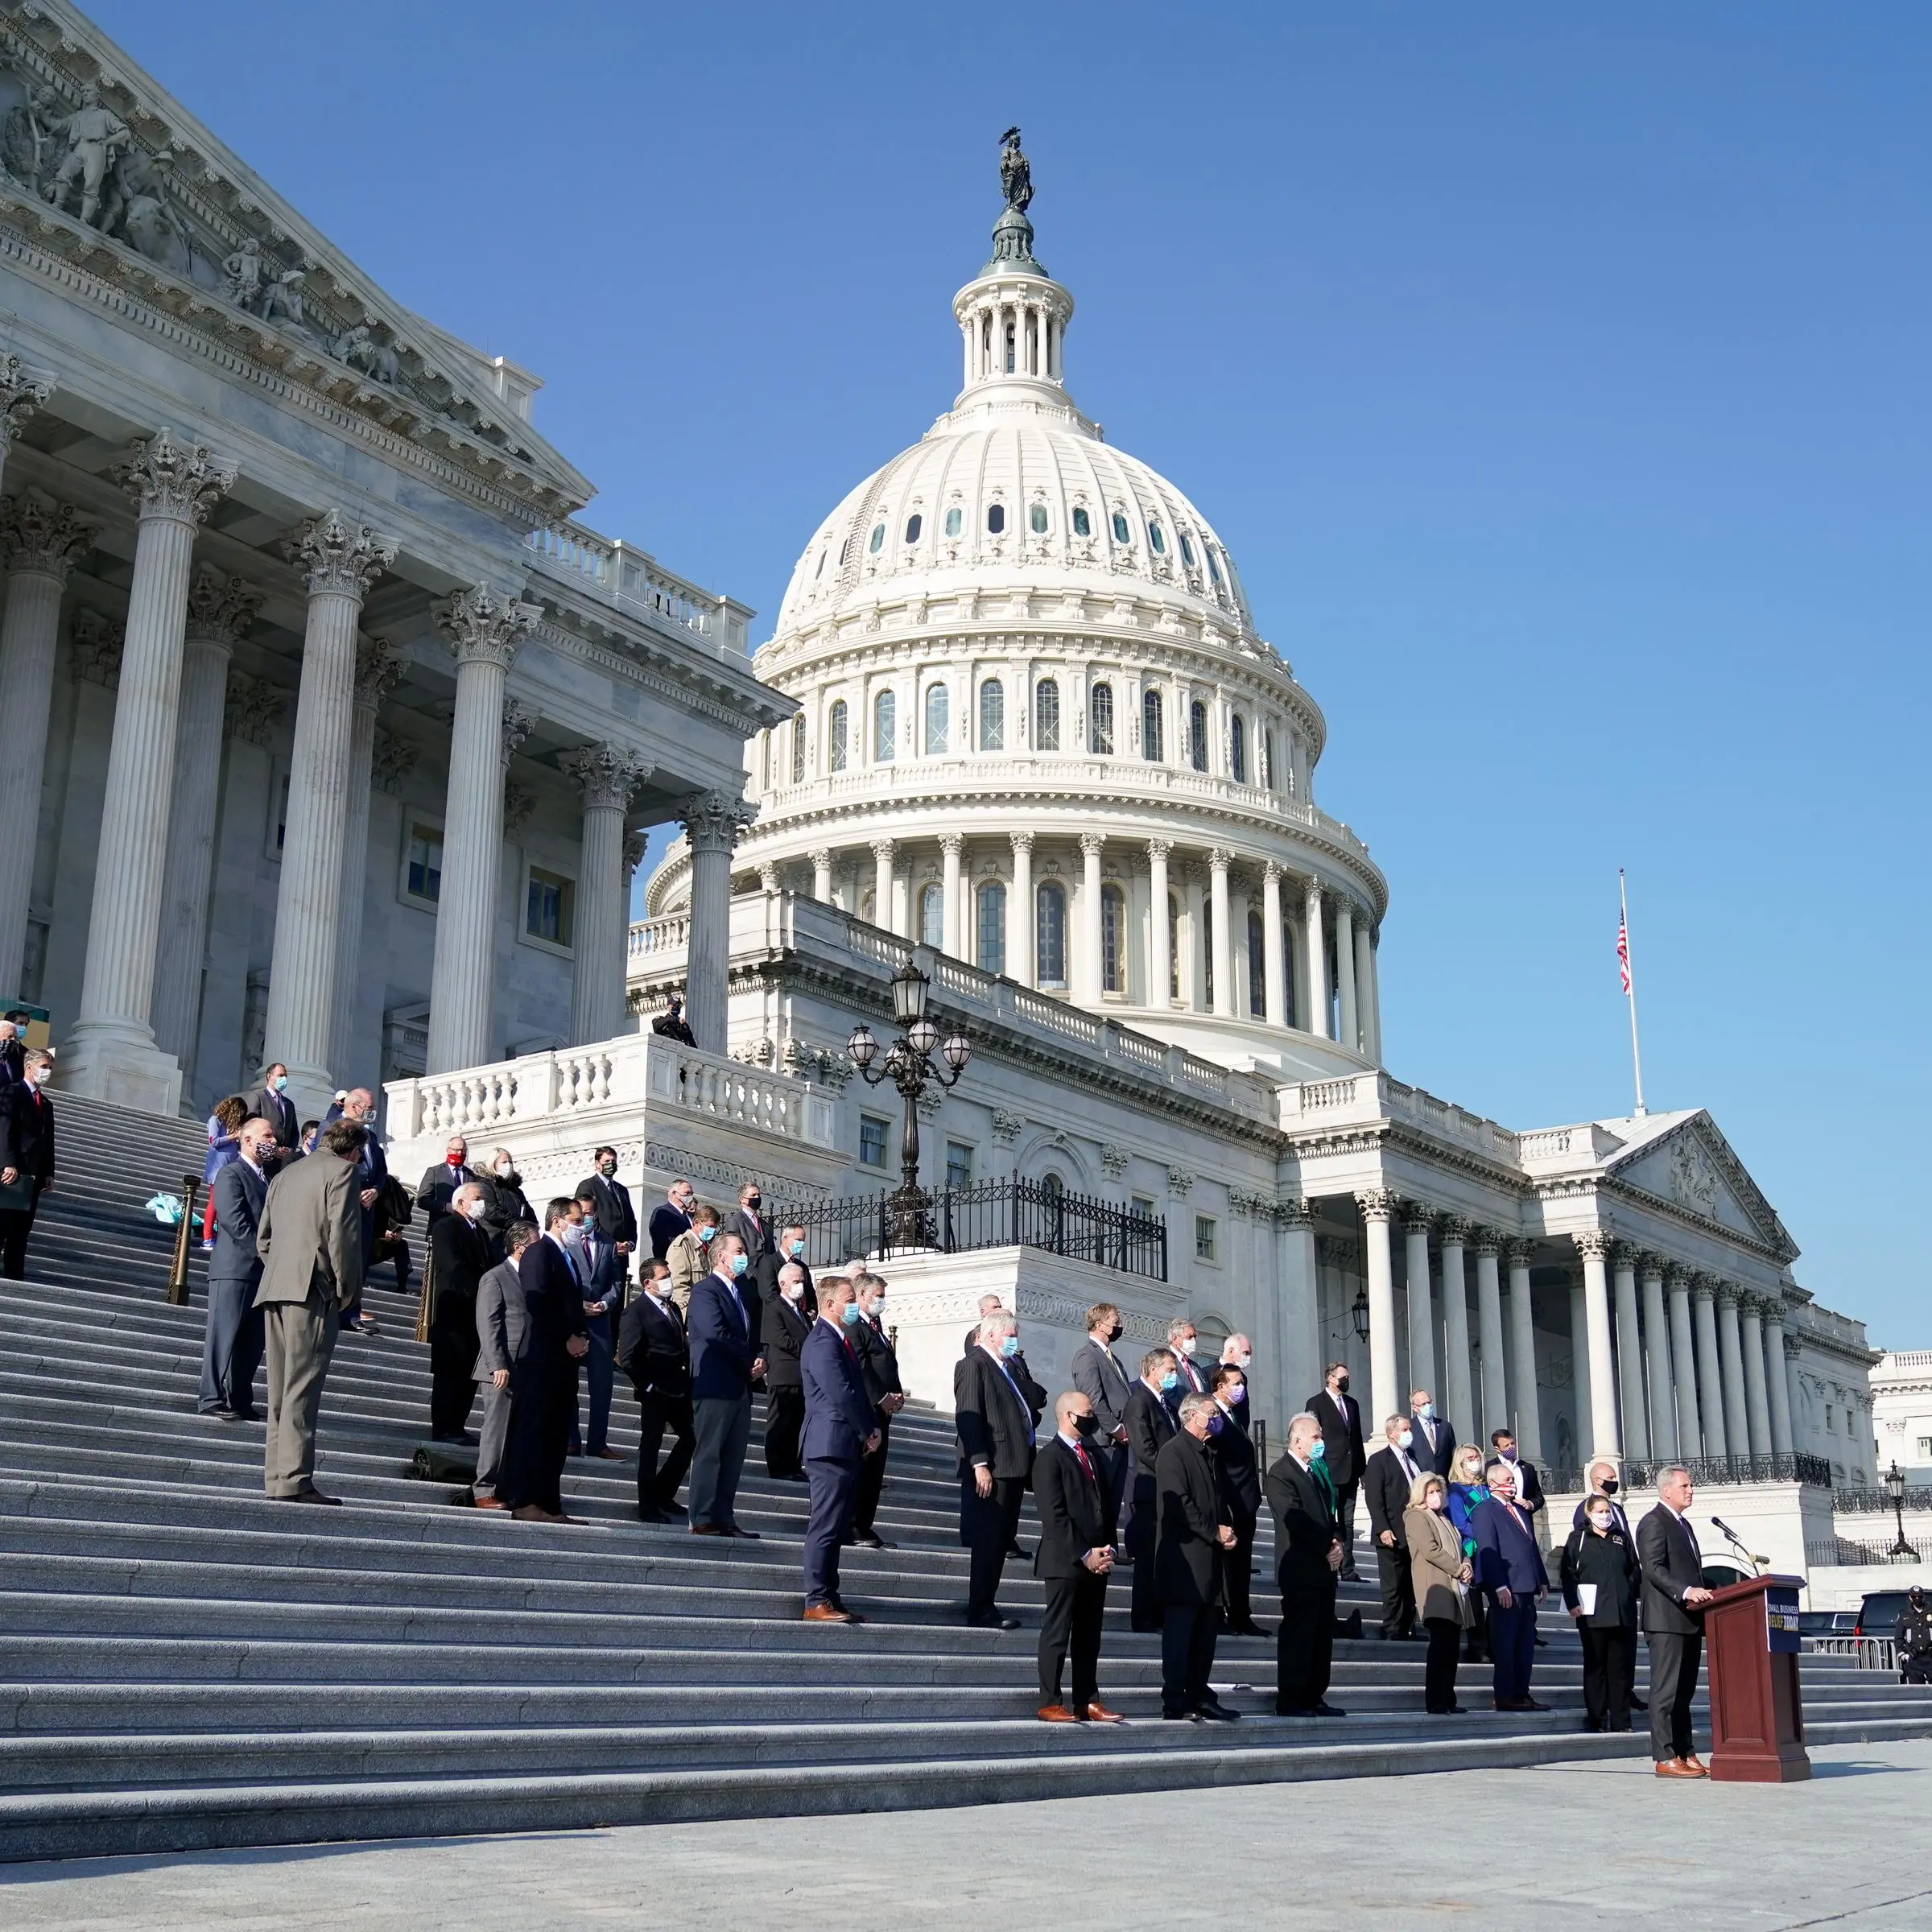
[(1757, 1719)]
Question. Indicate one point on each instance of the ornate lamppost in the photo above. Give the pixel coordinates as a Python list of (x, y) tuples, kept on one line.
[(909, 1066), (1895, 1491), (1359, 1313)]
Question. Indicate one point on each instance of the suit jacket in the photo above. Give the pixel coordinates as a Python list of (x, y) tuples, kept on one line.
[(279, 1111), (310, 1235), (763, 1274), (1343, 1448), (1528, 1486), (838, 1417), (653, 1349), (463, 1254), (438, 1185), (1036, 1396), (13, 1060), (603, 1274), (1194, 1381), (1188, 1551), (506, 1332), (786, 1328), (1429, 1459), (667, 1223), (877, 1362), (995, 1426), (1506, 1555), (1072, 1509), (1386, 1484), (720, 1339), (26, 1130), (1099, 1376), (690, 1260), (1667, 1552), (1304, 1527), (508, 1205), (555, 1298), (752, 1229), (1435, 1561), (616, 1218), (239, 1193), (1150, 1427), (1240, 1476), (1610, 1563)]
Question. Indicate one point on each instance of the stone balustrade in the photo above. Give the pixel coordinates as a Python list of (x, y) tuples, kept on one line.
[(633, 577)]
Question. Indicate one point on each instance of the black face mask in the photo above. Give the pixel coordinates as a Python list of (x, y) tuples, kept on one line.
[(1609, 1485), (1341, 1385), (1085, 1425), (1114, 1334), (754, 1202)]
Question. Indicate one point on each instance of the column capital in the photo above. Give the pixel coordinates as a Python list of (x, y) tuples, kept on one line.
[(605, 775), (1377, 1204), (1416, 1218), (1295, 1214), (1159, 849), (39, 535), (1650, 1266), (953, 843), (95, 643), (338, 557), (1220, 858), (379, 665), (821, 858), (1703, 1287), (769, 883), (1521, 1251), (1729, 1294), (484, 626), (182, 481), (1795, 1347), (1312, 895), (633, 853), (393, 761), (1021, 841), (713, 821), (515, 724), (23, 391), (1774, 1310), (1455, 1231), (1345, 908), (221, 609), (254, 709), (1271, 873), (1092, 844), (883, 849), (1592, 1243), (1750, 1308), (1486, 1241)]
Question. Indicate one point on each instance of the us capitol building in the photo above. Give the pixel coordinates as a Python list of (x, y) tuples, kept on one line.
[(331, 735)]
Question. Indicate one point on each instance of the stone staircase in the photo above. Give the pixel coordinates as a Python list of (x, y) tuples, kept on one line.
[(185, 1665)]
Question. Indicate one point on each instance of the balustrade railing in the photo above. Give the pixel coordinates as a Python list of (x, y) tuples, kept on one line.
[(1873, 1502), (631, 575), (1706, 1471)]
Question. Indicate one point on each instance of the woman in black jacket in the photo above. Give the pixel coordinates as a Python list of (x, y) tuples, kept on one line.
[(1598, 1560)]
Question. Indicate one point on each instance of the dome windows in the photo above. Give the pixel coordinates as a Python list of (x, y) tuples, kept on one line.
[(1268, 758), (1050, 933), (1036, 519), (1100, 720), (955, 520), (841, 734), (939, 717), (1113, 937), (1151, 734), (1186, 550), (1257, 980), (885, 726), (932, 916), (915, 524), (992, 716), (821, 570), (797, 750), (992, 936), (1047, 716), (1082, 524), (1197, 735), (1158, 538), (1119, 527), (1214, 568), (996, 517), (876, 542), (1237, 749)]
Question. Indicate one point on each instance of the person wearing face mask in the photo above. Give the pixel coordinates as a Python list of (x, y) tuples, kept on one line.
[(1237, 1351), (690, 1255), (1340, 1416), (26, 1159), (1182, 1336), (655, 1352), (1240, 1480), (1434, 1444), (1192, 1540), (601, 1270), (270, 1102), (1509, 1570), (1073, 1559), (616, 1220), (671, 1217), (841, 1437), (231, 1341), (437, 1191), (1097, 1374), (461, 1253), (507, 1342), (1603, 1484), (879, 1363), (1150, 1425), (671, 1025), (506, 1201), (747, 1222), (787, 1251), (13, 1048), (531, 1484), (992, 1416), (724, 1365), (1308, 1559), (1388, 1478), (1529, 1484), (1601, 1580), (1442, 1576), (787, 1322)]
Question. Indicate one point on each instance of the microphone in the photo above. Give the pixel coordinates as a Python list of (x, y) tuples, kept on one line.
[(1731, 1536)]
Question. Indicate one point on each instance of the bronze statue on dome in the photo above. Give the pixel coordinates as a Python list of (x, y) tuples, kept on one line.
[(1016, 176)]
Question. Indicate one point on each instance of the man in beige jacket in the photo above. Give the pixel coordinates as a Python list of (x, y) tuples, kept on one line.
[(310, 1243)]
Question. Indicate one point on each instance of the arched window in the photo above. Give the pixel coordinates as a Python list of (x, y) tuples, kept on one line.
[(1050, 933), (1036, 519), (1100, 720), (1174, 947), (1158, 538), (993, 927), (1152, 749), (1214, 569), (955, 520), (1268, 758), (841, 732), (915, 524), (1047, 716), (992, 715), (1082, 524), (797, 750), (1119, 527), (1197, 735), (821, 570), (1257, 967), (1114, 939), (885, 726), (996, 517), (876, 542), (1186, 550), (1237, 749), (939, 717), (932, 913)]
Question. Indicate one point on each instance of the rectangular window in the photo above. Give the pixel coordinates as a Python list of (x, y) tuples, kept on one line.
[(1925, 1448), (1047, 716), (423, 879), (959, 1164), (872, 1140), (1142, 1207), (993, 927), (549, 906), (1203, 1237), (282, 821)]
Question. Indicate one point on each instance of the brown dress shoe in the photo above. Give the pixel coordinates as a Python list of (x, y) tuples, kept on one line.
[(1696, 1763), (1099, 1714), (610, 1455), (1676, 1767), (707, 1529), (825, 1613), (535, 1512), (489, 1502), (1057, 1714)]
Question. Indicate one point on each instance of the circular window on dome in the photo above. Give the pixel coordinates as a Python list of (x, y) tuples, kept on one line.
[(1036, 519), (915, 524), (1158, 538), (954, 522), (1186, 550), (1120, 528), (876, 541), (995, 519), (1082, 524)]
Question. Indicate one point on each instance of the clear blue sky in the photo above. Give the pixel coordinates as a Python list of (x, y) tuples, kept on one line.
[(1560, 383)]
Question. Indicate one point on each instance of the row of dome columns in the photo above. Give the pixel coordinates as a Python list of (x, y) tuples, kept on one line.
[(1036, 330)]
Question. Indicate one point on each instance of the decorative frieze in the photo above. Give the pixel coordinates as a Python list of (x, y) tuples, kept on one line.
[(1007, 1126)]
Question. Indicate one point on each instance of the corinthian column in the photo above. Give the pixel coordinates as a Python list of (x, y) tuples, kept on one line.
[(339, 561), (1776, 1387), (1364, 992), (1019, 911), (952, 845), (712, 822), (378, 666), (1657, 1330), (1344, 972), (1710, 1382), (220, 609), (1220, 938), (1089, 978), (605, 775), (1458, 1391), (111, 1054), (484, 629), (1274, 991), (42, 542), (1528, 1419), (1730, 1367), (1757, 1397), (1160, 936), (1421, 1309), (1594, 1244), (1378, 1210), (1317, 967), (821, 874), (1494, 1408), (1630, 1355), (23, 391), (1683, 1368), (882, 851)]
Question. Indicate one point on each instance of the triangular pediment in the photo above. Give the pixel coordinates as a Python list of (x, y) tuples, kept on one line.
[(180, 225), (1692, 1167)]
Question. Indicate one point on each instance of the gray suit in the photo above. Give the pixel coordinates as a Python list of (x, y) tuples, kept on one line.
[(1098, 1375), (231, 1344), (504, 1337), (310, 1243)]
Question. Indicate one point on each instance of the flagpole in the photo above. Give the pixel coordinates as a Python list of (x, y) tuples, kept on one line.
[(1636, 1058)]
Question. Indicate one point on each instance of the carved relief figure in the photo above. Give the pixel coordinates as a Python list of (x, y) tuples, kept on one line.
[(282, 303), (361, 351), (95, 135), (241, 275), (26, 141), (147, 220)]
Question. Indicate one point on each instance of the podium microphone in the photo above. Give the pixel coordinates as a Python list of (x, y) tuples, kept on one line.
[(1731, 1537)]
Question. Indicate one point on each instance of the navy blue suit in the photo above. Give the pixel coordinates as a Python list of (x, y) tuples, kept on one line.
[(543, 1384), (231, 1346), (718, 1322), (1507, 1557), (839, 1419), (603, 1268)]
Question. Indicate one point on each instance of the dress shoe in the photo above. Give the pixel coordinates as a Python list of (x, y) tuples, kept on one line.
[(707, 1529), (825, 1613), (1531, 1703), (1058, 1714), (1016, 1549), (1448, 1710), (1510, 1703), (993, 1619), (1351, 1576), (609, 1455), (1696, 1763), (1216, 1712), (489, 1502), (446, 1436), (743, 1534), (1180, 1717), (242, 1415), (1677, 1768), (852, 1616), (1099, 1714), (870, 1539), (650, 1516), (1292, 1711), (311, 1496), (1325, 1709), (1542, 1645), (1636, 1703), (1250, 1628), (535, 1512), (674, 1509)]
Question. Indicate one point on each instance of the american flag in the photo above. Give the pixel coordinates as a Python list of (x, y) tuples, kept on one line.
[(1623, 950)]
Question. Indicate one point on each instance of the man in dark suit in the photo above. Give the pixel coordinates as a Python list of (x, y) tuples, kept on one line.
[(1099, 1376), (441, 1183), (723, 1368), (505, 1339), (1509, 1570), (787, 1251), (1241, 1480), (1435, 1445), (747, 1222), (1343, 1453), (273, 1104), (994, 1416), (1191, 1371), (13, 1047), (461, 1253), (616, 1220), (1308, 1559), (231, 1342), (671, 1217), (600, 1269), (841, 1436), (1387, 1477), (652, 1351), (879, 1363), (545, 1392), (1150, 1427), (1674, 1603), (1073, 1558), (26, 1158), (787, 1325), (1192, 1539), (1529, 1484)]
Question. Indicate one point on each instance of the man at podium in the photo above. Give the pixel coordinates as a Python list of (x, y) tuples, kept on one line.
[(1675, 1601)]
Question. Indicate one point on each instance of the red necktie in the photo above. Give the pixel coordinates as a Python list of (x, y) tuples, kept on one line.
[(1079, 1450)]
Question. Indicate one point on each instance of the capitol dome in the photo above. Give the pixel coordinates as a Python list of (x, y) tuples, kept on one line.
[(1036, 713)]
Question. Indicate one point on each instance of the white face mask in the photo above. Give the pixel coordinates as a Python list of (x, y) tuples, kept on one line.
[(1243, 1361), (477, 1210), (794, 1291), (1406, 1437), (1599, 1520), (506, 1169)]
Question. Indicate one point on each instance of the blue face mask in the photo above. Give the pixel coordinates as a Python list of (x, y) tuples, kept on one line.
[(1010, 1346), (737, 1264), (1170, 1381), (796, 1249), (279, 1082), (1317, 1449), (704, 1234), (1427, 1412), (1216, 1424), (849, 1314)]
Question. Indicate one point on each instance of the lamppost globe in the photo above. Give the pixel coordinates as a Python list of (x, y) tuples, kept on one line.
[(909, 991), (861, 1047), (1359, 1314), (957, 1051), (924, 1035), (1895, 1484)]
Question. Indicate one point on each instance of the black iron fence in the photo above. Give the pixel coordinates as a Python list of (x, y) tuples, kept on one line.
[(1875, 1502), (1707, 1470), (1844, 1550), (1009, 1212)]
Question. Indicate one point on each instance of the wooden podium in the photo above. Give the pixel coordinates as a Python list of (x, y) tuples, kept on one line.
[(1757, 1718)]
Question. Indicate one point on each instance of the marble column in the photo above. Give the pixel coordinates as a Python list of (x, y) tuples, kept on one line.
[(882, 851), (1300, 1318), (713, 821), (111, 1053), (1019, 911), (1385, 1398), (952, 845), (23, 391), (1221, 939), (1160, 937), (1421, 1309), (821, 874), (1630, 1356), (605, 775), (1457, 1392), (1710, 1385), (1087, 976), (1657, 1333), (1730, 1367), (1579, 1369), (1494, 1410), (1365, 993), (1193, 974), (1318, 962), (42, 541), (1528, 1419), (1274, 976), (379, 666), (1757, 1396), (1344, 972), (220, 611), (1683, 1368), (1777, 1386)]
